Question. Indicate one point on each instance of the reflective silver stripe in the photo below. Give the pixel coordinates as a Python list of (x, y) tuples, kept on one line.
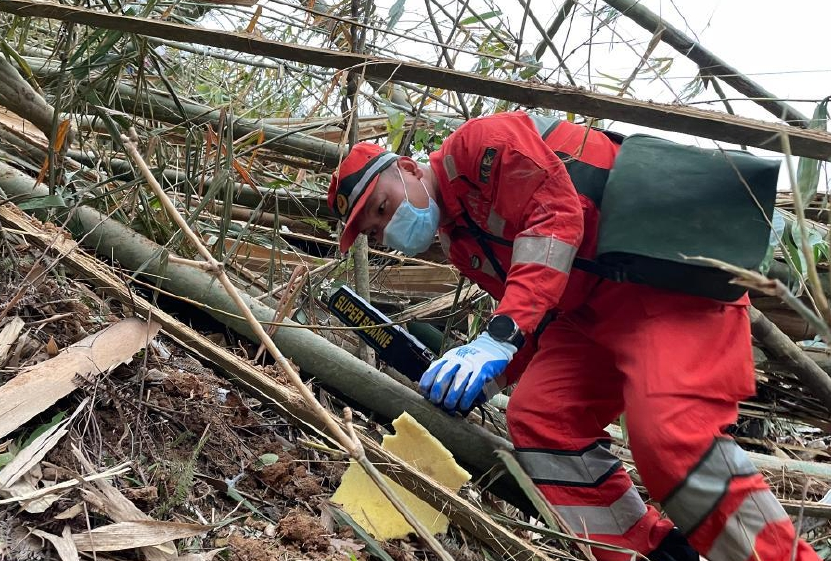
[(614, 520), (704, 487), (546, 251), (737, 540), (370, 174), (496, 224), (587, 469)]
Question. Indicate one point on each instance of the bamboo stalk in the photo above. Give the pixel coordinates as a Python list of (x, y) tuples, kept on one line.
[(782, 348), (283, 397), (707, 61)]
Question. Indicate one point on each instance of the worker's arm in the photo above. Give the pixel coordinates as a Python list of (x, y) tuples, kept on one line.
[(534, 194)]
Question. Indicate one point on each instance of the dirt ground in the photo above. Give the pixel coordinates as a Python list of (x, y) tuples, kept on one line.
[(200, 451)]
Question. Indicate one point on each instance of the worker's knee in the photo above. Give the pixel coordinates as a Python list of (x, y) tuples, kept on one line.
[(668, 436)]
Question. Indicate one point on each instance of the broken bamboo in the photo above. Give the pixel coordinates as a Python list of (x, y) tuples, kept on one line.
[(347, 440), (37, 388), (782, 348)]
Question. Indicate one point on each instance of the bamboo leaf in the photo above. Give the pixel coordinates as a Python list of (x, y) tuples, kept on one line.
[(807, 172), (135, 534), (49, 201), (5, 458), (372, 546), (396, 11), (57, 418), (481, 17)]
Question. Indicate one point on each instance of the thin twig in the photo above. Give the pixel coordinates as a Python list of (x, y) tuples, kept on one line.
[(560, 60)]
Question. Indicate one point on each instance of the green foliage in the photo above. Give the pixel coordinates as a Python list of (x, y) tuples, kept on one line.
[(807, 171), (5, 458), (427, 140), (786, 235), (480, 17), (372, 546), (184, 480), (396, 128), (57, 418), (22, 442), (396, 11), (266, 460)]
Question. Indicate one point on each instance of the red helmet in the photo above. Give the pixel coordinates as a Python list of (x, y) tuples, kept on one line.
[(353, 182)]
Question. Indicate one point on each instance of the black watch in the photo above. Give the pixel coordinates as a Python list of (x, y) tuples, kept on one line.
[(505, 330)]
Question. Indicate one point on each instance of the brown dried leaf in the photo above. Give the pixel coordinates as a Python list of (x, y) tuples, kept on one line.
[(52, 347), (132, 535), (63, 544), (35, 389)]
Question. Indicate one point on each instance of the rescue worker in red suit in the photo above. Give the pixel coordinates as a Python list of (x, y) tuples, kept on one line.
[(514, 199)]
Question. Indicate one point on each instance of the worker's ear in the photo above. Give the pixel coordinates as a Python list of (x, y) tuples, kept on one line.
[(408, 165)]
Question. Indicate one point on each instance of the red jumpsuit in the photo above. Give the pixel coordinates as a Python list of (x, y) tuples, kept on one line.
[(676, 365)]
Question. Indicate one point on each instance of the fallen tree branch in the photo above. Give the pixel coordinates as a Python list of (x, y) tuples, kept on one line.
[(782, 348), (707, 124)]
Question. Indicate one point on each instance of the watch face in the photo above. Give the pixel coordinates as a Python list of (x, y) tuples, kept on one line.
[(501, 327)]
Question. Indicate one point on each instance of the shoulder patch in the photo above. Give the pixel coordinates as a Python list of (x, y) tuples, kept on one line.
[(486, 164)]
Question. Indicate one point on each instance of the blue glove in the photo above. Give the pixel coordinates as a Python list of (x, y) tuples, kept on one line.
[(467, 375)]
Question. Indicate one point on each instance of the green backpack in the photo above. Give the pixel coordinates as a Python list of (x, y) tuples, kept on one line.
[(665, 202)]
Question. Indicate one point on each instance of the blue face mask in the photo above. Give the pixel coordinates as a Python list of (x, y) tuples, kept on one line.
[(411, 230)]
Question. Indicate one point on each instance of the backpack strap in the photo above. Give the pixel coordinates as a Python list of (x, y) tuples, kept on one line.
[(482, 238), (608, 272)]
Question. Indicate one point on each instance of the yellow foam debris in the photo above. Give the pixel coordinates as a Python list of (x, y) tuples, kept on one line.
[(370, 508)]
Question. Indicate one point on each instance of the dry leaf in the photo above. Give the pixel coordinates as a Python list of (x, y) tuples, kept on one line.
[(35, 389), (109, 500), (63, 544), (31, 494), (52, 346), (28, 486), (11, 331), (346, 546), (71, 512), (30, 456), (131, 535), (204, 556)]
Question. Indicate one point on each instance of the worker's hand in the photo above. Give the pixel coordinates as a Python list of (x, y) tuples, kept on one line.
[(468, 375)]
